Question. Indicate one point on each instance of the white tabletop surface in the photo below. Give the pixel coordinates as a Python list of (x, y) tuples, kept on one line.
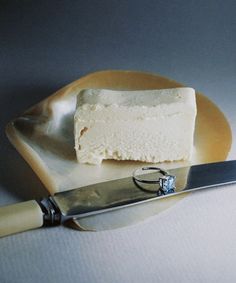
[(47, 45)]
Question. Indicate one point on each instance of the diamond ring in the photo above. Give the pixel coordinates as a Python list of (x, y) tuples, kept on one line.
[(166, 182)]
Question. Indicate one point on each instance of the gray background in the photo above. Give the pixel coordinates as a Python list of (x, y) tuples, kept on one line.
[(47, 44)]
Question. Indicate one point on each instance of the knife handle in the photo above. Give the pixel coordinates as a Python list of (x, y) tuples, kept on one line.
[(20, 217)]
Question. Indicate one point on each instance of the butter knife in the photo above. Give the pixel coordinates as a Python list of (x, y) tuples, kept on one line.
[(103, 205)]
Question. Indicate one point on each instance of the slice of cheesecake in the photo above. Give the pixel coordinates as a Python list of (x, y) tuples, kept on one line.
[(144, 125)]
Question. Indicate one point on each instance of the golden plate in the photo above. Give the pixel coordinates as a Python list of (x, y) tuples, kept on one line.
[(44, 134)]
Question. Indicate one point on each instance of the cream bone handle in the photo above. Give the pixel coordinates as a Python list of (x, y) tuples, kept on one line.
[(26, 216), (20, 217)]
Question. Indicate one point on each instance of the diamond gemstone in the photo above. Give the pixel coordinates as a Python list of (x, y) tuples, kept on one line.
[(167, 184)]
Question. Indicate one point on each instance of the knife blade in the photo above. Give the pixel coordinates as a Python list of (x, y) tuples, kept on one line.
[(106, 205)]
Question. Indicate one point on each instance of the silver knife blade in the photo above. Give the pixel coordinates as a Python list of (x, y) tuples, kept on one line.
[(98, 206)]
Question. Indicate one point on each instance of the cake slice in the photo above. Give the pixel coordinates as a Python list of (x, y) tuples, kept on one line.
[(144, 125)]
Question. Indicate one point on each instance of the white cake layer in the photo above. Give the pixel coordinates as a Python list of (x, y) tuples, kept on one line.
[(150, 125)]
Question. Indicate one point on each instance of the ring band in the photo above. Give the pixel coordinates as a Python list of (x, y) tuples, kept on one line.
[(146, 181)]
